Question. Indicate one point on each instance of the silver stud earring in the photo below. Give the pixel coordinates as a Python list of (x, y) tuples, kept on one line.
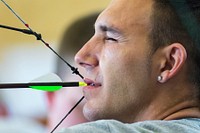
[(159, 78)]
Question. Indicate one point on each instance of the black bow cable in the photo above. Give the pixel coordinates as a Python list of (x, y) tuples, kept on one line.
[(25, 31), (66, 115), (39, 37)]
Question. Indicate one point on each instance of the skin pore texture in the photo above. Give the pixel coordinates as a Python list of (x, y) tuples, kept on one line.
[(119, 60)]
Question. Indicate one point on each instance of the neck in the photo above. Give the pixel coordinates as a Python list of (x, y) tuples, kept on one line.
[(188, 109), (171, 104)]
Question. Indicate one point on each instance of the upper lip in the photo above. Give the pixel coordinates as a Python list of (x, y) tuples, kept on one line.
[(91, 82)]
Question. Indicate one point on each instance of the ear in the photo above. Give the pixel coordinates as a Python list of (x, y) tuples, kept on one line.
[(174, 58)]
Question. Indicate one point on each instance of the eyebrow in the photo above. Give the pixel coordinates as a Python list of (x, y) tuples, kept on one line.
[(113, 30)]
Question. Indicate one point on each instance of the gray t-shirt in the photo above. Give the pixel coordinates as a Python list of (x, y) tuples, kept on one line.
[(189, 125)]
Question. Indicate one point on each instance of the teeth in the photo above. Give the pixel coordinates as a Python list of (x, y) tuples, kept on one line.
[(92, 84)]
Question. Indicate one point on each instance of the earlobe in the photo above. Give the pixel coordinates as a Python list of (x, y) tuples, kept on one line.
[(175, 56)]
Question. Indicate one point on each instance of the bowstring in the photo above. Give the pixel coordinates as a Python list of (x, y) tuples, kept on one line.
[(67, 115), (39, 37)]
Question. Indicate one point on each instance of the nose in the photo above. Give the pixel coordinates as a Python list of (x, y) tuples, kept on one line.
[(88, 55)]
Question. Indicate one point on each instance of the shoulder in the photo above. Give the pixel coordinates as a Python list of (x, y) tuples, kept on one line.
[(113, 126), (189, 125)]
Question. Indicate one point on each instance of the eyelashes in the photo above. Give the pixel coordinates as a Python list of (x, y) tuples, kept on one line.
[(110, 39)]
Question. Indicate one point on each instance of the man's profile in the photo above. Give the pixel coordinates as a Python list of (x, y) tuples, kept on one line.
[(142, 67)]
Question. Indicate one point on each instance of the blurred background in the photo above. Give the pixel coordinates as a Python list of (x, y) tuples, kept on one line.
[(23, 58)]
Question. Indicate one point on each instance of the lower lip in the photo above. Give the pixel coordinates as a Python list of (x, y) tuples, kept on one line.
[(90, 87)]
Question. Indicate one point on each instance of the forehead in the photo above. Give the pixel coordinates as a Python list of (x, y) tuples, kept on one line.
[(125, 13)]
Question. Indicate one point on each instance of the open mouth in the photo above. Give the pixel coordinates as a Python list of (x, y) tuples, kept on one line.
[(91, 83)]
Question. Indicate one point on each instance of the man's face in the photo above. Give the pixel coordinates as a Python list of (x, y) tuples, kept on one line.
[(117, 59)]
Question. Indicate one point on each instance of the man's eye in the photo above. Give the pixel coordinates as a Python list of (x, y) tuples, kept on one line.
[(111, 39)]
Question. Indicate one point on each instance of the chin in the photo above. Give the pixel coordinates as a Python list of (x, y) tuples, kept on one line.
[(90, 113)]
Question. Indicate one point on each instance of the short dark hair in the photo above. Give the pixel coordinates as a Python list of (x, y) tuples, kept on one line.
[(178, 21)]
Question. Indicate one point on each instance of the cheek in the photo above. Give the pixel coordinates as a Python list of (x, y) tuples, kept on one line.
[(125, 67), (112, 55), (116, 58), (117, 70)]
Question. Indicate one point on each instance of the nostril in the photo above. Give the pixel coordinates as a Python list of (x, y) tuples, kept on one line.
[(85, 65), (88, 63), (81, 63), (86, 60)]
